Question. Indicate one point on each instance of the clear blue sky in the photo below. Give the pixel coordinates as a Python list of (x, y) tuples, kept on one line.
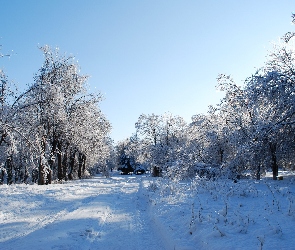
[(145, 56)]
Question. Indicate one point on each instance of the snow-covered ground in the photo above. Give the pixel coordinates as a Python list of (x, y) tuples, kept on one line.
[(223, 214), (140, 212), (95, 213)]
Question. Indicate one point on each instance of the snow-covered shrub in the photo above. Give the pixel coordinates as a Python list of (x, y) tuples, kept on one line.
[(153, 186), (207, 171), (179, 170)]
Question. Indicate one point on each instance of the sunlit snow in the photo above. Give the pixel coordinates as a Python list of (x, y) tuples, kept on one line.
[(141, 212)]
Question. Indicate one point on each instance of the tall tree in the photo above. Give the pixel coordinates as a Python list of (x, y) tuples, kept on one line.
[(61, 123)]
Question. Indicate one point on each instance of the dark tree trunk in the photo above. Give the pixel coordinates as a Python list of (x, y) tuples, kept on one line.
[(2, 175), (9, 167), (274, 164), (59, 163), (49, 177), (83, 164), (72, 164), (19, 171), (80, 160), (64, 165), (41, 180), (26, 176), (258, 173)]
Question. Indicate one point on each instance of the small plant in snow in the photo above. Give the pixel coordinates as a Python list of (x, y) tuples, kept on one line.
[(244, 223), (215, 228), (153, 187), (275, 200), (277, 229), (261, 241), (192, 224)]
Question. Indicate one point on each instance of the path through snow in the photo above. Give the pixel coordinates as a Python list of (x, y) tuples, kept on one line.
[(88, 214)]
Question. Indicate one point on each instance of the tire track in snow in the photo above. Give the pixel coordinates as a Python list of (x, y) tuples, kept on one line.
[(96, 214), (124, 222), (35, 222)]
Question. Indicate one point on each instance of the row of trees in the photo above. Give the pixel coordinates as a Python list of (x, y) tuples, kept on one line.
[(252, 128), (54, 130)]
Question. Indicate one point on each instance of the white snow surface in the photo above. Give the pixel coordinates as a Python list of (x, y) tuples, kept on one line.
[(141, 212)]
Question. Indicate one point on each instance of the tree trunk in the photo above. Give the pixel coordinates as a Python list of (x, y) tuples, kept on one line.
[(2, 175), (49, 177), (44, 171), (72, 164), (9, 167), (84, 164), (64, 165), (26, 175), (274, 164), (258, 174), (155, 136), (80, 160), (52, 153), (41, 180), (59, 163)]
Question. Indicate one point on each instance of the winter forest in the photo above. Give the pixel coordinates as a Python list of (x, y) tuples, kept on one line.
[(224, 180), (55, 130)]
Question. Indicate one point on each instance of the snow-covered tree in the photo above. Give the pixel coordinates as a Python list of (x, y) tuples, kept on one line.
[(271, 94), (59, 129), (8, 131), (162, 138)]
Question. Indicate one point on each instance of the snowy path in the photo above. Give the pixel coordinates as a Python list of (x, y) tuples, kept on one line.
[(88, 214)]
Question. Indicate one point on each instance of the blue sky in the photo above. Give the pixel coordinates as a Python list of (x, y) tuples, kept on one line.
[(145, 56)]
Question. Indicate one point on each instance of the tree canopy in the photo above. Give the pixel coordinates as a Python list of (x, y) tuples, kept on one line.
[(54, 130)]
